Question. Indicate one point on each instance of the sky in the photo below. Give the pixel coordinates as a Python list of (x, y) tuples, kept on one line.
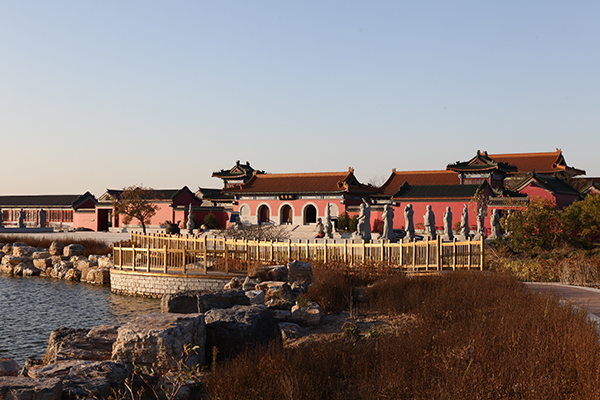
[(108, 94)]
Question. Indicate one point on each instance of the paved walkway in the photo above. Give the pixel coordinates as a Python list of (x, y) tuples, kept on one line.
[(583, 297)]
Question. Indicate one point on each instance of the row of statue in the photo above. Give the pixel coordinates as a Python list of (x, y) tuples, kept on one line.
[(363, 228), (21, 220)]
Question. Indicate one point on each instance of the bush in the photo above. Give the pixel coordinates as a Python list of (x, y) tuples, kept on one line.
[(535, 227), (581, 221), (211, 221)]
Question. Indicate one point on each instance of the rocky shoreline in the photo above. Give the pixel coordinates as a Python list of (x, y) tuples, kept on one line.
[(58, 261), (267, 307)]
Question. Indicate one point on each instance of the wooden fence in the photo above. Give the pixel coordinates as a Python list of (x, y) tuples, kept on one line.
[(183, 254)]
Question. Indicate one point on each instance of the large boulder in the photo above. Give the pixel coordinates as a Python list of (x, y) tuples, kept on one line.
[(23, 388), (98, 276), (23, 250), (276, 290), (181, 303), (8, 367), (156, 342), (40, 254), (311, 314), (42, 263), (231, 330), (81, 344), (73, 250), (226, 298), (299, 271), (105, 262), (56, 249)]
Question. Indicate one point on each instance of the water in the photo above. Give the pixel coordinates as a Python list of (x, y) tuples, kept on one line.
[(32, 307)]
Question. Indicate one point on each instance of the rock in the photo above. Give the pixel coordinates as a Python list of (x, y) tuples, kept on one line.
[(56, 249), (234, 283), (22, 251), (93, 258), (226, 298), (7, 248), (30, 270), (58, 259), (231, 330), (73, 275), (12, 260), (81, 344), (42, 263), (271, 273), (279, 304), (182, 303), (7, 268), (40, 254), (8, 367), (289, 330), (23, 388), (256, 296), (281, 315), (98, 276), (73, 250), (105, 262), (309, 315), (275, 290), (249, 284), (299, 271), (155, 342), (84, 263)]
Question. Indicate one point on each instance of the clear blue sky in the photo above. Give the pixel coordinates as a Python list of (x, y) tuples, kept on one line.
[(106, 94)]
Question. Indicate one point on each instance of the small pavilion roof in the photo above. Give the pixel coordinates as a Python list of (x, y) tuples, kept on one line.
[(480, 163), (417, 178), (297, 183), (237, 171)]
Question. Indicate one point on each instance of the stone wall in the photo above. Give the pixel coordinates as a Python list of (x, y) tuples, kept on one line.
[(156, 285)]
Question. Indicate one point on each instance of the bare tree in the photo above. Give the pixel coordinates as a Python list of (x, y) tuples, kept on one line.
[(137, 202)]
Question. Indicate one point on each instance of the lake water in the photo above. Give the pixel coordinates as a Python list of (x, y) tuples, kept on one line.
[(32, 307)]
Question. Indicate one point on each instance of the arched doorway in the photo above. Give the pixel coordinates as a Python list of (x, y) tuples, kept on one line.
[(263, 214), (310, 214), (285, 215)]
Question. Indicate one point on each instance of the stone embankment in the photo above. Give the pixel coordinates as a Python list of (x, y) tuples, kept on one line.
[(59, 261), (82, 363)]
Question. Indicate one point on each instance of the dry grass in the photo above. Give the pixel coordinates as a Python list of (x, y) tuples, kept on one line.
[(473, 336), (91, 246)]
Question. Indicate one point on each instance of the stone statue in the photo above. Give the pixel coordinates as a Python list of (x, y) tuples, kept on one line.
[(509, 215), (480, 223), (429, 222), (448, 234), (409, 225), (495, 224), (388, 223), (42, 218), (320, 228), (21, 219), (464, 223), (328, 224), (363, 227), (190, 221)]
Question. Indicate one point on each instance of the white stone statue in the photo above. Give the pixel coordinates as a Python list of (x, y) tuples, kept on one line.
[(190, 221), (22, 218), (448, 234), (495, 224), (328, 224), (409, 225), (480, 223), (464, 223), (388, 223), (429, 222), (42, 218), (363, 227)]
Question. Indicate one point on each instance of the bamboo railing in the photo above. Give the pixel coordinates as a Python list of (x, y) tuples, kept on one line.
[(188, 255)]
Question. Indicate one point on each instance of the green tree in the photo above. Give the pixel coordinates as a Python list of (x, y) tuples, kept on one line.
[(536, 226), (211, 221), (137, 202), (581, 221)]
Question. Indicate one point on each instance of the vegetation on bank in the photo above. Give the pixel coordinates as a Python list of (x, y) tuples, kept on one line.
[(470, 335), (91, 246), (549, 244)]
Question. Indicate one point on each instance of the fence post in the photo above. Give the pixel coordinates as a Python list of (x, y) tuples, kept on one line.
[(184, 260), (482, 249), (325, 251), (165, 262), (289, 250), (271, 250), (414, 257), (205, 254), (469, 252), (148, 259), (226, 254), (440, 263), (401, 251), (346, 251), (133, 257), (381, 258), (426, 253), (307, 250), (454, 255)]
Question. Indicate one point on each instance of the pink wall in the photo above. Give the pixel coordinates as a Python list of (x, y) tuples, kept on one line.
[(562, 200), (85, 220), (297, 207)]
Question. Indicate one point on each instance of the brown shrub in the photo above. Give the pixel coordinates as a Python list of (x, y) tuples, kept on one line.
[(91, 246), (478, 335)]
